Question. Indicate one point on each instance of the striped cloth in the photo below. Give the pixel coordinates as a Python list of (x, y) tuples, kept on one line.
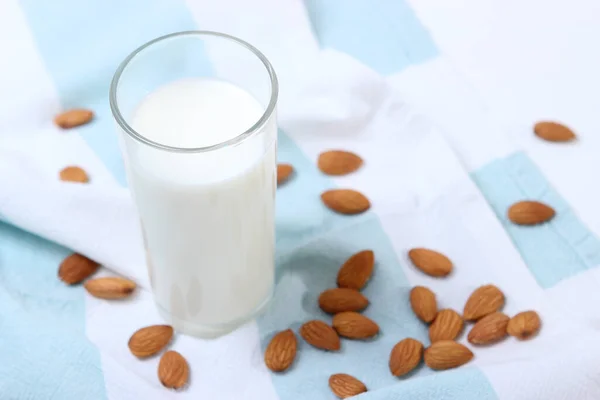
[(438, 97)]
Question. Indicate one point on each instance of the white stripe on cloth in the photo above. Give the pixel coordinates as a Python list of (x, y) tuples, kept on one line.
[(522, 75)]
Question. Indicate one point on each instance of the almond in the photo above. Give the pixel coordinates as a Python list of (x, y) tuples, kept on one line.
[(74, 174), (173, 370), (553, 132), (76, 268), (337, 300), (338, 162), (344, 385), (489, 329), (73, 118), (284, 171), (446, 326), (320, 335), (483, 301), (110, 288), (524, 325), (447, 354), (530, 213), (281, 351), (148, 341), (353, 325), (423, 303), (356, 270), (430, 262), (345, 201), (405, 356)]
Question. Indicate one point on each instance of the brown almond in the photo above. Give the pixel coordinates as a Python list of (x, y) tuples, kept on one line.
[(553, 132), (489, 329), (484, 300), (74, 174), (338, 162), (431, 262), (405, 356), (344, 385), (110, 288), (530, 213), (281, 351), (320, 335), (284, 172), (353, 325), (73, 118), (356, 270), (447, 326), (173, 370), (447, 354), (346, 201), (76, 268), (524, 325), (148, 341), (423, 303), (338, 300)]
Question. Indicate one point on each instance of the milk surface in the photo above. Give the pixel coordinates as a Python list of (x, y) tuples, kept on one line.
[(207, 218)]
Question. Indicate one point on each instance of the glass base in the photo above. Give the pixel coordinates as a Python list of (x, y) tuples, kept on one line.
[(210, 331)]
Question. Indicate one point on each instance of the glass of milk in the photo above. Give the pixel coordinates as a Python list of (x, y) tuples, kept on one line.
[(196, 117)]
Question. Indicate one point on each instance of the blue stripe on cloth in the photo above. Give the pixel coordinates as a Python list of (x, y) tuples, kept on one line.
[(42, 327), (459, 384), (312, 243), (384, 34), (300, 214), (82, 44), (552, 251)]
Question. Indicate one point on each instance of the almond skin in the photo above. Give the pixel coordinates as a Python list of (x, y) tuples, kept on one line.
[(76, 268), (489, 329), (74, 174), (553, 132), (484, 300), (320, 335), (431, 262), (110, 288), (338, 300), (446, 326), (530, 213), (72, 118), (281, 351), (148, 341), (524, 325), (346, 201), (344, 385), (423, 303), (405, 356), (338, 162), (447, 354), (173, 370), (356, 270), (284, 172), (353, 325)]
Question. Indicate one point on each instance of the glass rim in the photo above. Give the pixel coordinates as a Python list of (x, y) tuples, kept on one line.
[(258, 125)]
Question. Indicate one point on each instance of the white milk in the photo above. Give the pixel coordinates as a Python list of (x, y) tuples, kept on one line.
[(208, 218)]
